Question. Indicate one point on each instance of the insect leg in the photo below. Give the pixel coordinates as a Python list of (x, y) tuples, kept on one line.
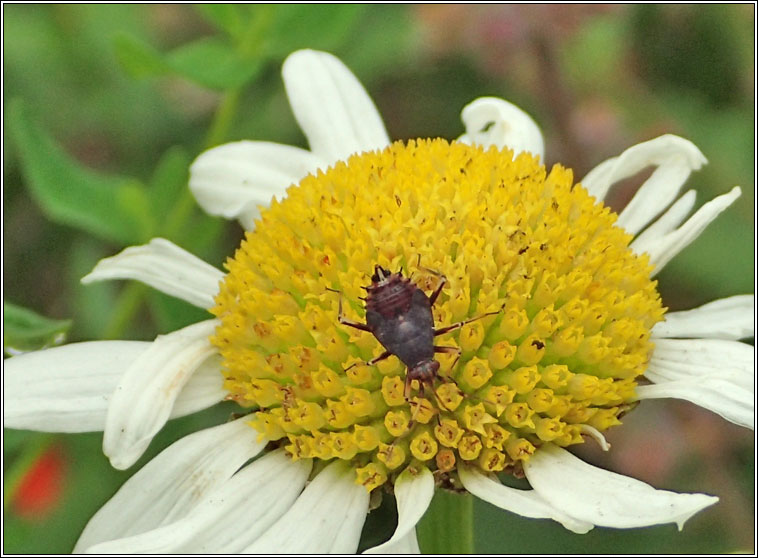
[(407, 390), (343, 320), (459, 325), (408, 382), (440, 403), (385, 354), (456, 350), (438, 289), (414, 406), (412, 420), (438, 349)]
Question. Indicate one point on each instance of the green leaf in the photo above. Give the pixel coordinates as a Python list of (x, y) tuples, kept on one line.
[(214, 63), (319, 26), (226, 17), (211, 62), (71, 194), (138, 58), (25, 330), (383, 25), (448, 525)]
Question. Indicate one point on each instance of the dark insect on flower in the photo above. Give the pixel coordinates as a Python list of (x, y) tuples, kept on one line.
[(399, 315)]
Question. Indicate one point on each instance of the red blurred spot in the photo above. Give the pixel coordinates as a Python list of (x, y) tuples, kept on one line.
[(40, 490)]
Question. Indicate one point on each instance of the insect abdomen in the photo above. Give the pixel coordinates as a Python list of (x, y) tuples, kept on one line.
[(392, 298), (410, 334)]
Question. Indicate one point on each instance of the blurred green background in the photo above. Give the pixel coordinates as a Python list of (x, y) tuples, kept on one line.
[(106, 106)]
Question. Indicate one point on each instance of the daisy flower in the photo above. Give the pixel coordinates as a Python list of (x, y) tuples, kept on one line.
[(561, 331)]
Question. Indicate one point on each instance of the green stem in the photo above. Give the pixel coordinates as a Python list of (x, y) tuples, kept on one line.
[(179, 214), (130, 299), (223, 118), (448, 525), (248, 44), (127, 304)]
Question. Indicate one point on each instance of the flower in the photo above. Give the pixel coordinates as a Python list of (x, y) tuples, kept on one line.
[(560, 332)]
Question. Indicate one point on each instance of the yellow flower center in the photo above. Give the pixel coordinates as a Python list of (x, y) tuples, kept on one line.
[(572, 308)]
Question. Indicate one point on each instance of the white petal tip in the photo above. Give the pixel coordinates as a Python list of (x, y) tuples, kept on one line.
[(604, 498), (493, 121), (305, 54), (700, 501), (123, 459), (414, 491), (682, 147), (98, 272), (333, 109), (596, 435), (164, 266)]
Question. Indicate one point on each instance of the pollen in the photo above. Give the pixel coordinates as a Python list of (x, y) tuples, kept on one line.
[(558, 313)]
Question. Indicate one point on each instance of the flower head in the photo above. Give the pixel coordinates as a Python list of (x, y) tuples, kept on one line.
[(565, 309), (510, 315)]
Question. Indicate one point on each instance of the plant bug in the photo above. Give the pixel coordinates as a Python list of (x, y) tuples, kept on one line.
[(399, 315)]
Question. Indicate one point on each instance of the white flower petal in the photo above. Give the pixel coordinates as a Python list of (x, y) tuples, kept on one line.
[(703, 350), (683, 359), (327, 517), (405, 545), (667, 222), (493, 121), (143, 399), (333, 109), (723, 397), (661, 371), (349, 533), (225, 522), (169, 486), (727, 318), (604, 498), (204, 389), (526, 503), (232, 180), (164, 266), (67, 388), (669, 245), (414, 492), (675, 158), (718, 375)]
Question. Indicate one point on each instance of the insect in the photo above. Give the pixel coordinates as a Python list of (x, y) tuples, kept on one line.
[(399, 315)]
